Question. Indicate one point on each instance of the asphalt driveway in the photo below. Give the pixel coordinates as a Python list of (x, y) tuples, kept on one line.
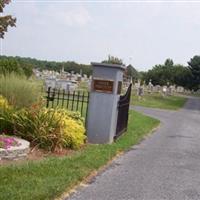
[(165, 166)]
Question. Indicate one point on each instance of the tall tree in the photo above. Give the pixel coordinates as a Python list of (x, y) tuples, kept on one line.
[(7, 20), (194, 66), (132, 72), (169, 73), (169, 62), (181, 76), (161, 74)]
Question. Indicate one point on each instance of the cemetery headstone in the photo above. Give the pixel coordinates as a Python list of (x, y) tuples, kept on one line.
[(179, 89), (150, 87), (157, 88), (164, 90), (140, 92)]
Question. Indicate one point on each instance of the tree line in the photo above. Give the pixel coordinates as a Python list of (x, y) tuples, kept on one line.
[(162, 74), (25, 65), (175, 74), (167, 73)]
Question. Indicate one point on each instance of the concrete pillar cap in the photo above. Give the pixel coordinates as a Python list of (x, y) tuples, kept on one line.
[(122, 67)]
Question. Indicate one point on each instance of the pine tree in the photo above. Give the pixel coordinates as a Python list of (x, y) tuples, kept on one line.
[(194, 66)]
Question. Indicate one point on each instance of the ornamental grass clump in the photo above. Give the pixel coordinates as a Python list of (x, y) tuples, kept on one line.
[(19, 91), (51, 129)]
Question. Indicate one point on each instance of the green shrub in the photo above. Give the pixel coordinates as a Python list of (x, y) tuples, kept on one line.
[(76, 116), (8, 66), (13, 65), (19, 91), (51, 129)]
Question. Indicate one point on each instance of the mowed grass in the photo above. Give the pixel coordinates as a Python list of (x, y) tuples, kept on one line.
[(156, 100), (51, 177)]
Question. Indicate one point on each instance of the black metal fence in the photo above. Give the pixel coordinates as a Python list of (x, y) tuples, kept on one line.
[(123, 111), (74, 101)]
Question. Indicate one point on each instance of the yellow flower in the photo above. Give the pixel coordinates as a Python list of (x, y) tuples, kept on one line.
[(4, 103)]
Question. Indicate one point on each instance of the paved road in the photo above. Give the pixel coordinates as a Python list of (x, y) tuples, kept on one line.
[(166, 166)]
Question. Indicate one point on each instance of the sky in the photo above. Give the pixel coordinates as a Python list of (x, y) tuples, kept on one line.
[(141, 33)]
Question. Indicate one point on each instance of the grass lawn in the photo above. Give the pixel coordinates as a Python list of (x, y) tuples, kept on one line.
[(156, 100), (49, 178)]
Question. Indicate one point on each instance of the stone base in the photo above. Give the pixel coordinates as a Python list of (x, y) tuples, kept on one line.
[(16, 152)]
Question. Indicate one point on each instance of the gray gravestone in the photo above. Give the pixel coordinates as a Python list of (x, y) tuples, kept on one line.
[(102, 110)]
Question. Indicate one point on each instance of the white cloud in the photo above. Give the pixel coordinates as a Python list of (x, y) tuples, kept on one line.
[(65, 15), (76, 17), (147, 32)]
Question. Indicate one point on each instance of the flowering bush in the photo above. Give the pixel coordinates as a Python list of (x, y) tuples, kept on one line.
[(48, 128), (52, 129), (7, 142)]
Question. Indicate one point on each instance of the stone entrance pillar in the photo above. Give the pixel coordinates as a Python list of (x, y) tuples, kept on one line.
[(102, 110)]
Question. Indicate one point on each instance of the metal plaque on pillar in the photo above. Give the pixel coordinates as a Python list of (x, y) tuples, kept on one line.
[(105, 86)]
